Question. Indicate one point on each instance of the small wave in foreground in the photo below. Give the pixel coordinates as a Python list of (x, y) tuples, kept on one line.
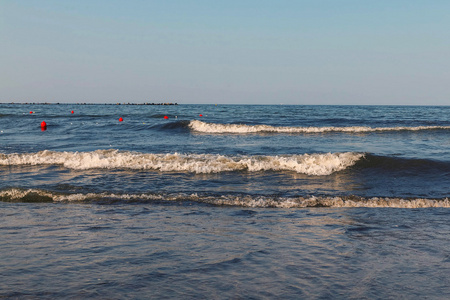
[(204, 127), (255, 201)]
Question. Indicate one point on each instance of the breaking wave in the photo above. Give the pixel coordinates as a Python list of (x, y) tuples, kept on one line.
[(255, 201), (310, 164), (204, 127)]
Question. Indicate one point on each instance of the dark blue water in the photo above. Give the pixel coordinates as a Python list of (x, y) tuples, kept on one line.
[(224, 201)]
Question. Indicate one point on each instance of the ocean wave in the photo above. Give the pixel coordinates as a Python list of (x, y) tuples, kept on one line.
[(254, 201), (310, 164), (204, 127)]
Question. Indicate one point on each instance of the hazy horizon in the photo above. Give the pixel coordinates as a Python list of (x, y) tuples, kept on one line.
[(236, 52)]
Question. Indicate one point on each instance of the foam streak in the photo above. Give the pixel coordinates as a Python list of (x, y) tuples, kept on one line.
[(204, 127), (18, 195)]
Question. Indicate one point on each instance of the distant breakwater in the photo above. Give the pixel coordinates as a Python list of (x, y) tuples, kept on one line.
[(128, 103)]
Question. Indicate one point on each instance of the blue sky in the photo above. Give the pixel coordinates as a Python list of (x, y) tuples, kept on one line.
[(253, 52)]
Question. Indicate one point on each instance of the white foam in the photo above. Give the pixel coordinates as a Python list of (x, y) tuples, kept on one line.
[(204, 127), (310, 164), (303, 202), (17, 194), (233, 200)]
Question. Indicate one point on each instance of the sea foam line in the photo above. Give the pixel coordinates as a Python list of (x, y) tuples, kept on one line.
[(310, 164), (255, 201), (204, 127)]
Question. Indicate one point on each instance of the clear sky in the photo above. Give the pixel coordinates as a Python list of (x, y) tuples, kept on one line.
[(244, 51)]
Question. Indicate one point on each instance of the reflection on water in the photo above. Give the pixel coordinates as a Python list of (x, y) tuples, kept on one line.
[(177, 250), (280, 183)]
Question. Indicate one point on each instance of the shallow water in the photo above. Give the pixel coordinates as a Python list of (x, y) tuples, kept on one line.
[(183, 250)]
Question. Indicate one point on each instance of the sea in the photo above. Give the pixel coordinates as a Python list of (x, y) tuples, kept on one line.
[(123, 201)]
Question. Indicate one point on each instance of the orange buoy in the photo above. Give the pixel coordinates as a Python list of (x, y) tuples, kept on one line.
[(166, 117), (120, 119), (43, 126)]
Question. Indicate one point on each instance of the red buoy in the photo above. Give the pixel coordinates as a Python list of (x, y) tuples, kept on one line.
[(43, 126), (200, 115), (166, 117), (120, 119), (31, 112), (72, 111)]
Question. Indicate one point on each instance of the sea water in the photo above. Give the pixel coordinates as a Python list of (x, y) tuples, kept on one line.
[(224, 201)]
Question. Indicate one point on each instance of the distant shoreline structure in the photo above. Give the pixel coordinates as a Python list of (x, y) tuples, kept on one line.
[(79, 103)]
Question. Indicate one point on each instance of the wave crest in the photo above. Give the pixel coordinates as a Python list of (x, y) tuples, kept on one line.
[(254, 201), (204, 127), (310, 164)]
